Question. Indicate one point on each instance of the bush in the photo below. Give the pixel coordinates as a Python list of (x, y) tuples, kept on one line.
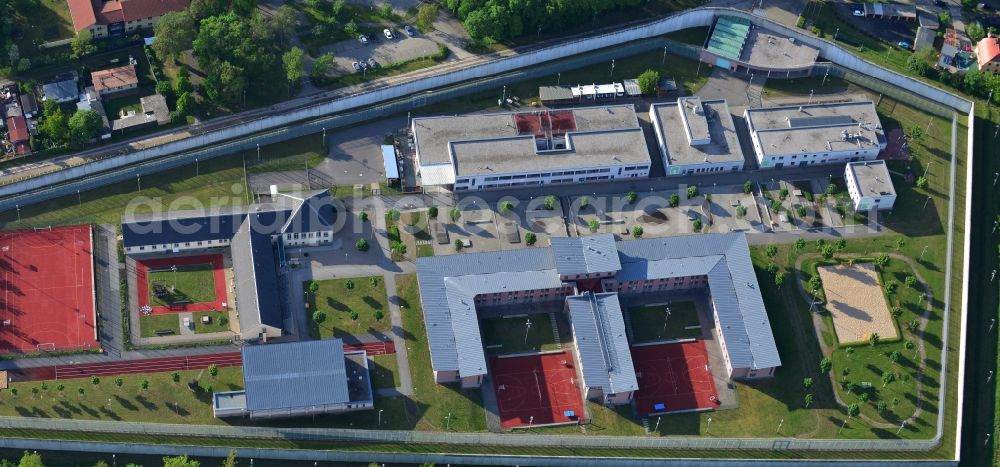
[(550, 202), (801, 22), (319, 317), (692, 192), (349, 284), (922, 182), (506, 207), (800, 211), (747, 187), (379, 315), (530, 238), (362, 245), (648, 82), (454, 214), (584, 202), (631, 197), (771, 251), (675, 200), (697, 225), (825, 365), (432, 212), (594, 225), (458, 244), (393, 214), (637, 231), (741, 211), (313, 286)]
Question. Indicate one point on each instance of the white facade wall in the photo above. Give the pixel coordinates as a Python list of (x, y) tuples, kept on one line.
[(551, 177), (795, 158), (321, 237), (180, 246), (863, 202), (687, 169), (737, 373)]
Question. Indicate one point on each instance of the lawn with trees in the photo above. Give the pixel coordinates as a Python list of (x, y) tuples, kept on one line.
[(340, 307), (191, 283)]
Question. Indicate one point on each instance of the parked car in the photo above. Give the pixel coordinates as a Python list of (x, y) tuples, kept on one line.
[(940, 3), (388, 33), (904, 45), (364, 66), (363, 39), (357, 67), (372, 63), (409, 30), (858, 12)]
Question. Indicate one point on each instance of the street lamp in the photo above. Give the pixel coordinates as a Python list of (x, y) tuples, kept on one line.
[(380, 417)]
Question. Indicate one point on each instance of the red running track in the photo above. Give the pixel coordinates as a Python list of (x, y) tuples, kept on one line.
[(676, 375), (536, 389), (152, 365), (373, 348), (48, 290), (142, 282)]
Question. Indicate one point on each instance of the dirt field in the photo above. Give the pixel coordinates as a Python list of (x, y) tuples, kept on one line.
[(855, 301)]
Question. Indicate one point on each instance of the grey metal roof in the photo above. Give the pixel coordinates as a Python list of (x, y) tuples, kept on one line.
[(599, 333), (255, 278), (61, 91), (313, 212), (731, 279), (296, 374), (585, 255), (448, 286)]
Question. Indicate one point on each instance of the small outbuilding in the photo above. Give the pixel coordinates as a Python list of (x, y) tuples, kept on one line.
[(869, 185), (390, 162)]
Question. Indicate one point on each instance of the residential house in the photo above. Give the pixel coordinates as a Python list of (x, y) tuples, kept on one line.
[(115, 80), (116, 18)]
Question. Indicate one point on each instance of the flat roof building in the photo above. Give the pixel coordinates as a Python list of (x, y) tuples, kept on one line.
[(452, 288), (486, 151), (870, 185), (389, 162), (298, 379), (826, 133), (696, 136)]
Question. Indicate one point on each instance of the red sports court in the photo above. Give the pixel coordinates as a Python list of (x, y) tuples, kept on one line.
[(673, 377), (143, 268), (48, 290), (536, 390)]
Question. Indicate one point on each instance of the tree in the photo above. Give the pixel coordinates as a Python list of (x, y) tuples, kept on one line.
[(747, 187), (831, 188), (319, 316), (771, 251), (594, 225), (631, 197), (808, 400), (873, 339), (379, 314), (849, 351), (349, 285), (922, 182), (82, 44), (60, 387), (637, 231), (506, 207), (230, 459), (697, 225), (351, 28), (14, 53), (584, 202), (175, 32), (393, 214), (458, 244), (550, 202), (900, 242), (920, 63), (180, 461), (294, 61), (882, 260), (185, 104), (887, 378), (55, 125), (910, 281), (83, 126), (119, 382), (741, 211), (454, 214), (385, 11), (336, 8), (864, 396), (426, 16), (975, 31), (825, 365), (894, 356), (897, 311), (213, 370), (674, 200), (807, 383), (692, 192), (880, 406), (322, 65), (800, 244), (853, 410), (165, 89), (225, 84), (13, 392), (373, 281), (815, 282), (908, 345), (201, 9), (283, 22), (355, 316), (827, 252), (313, 286), (530, 238), (144, 384), (432, 212), (771, 268), (648, 81), (80, 391), (175, 377), (776, 205), (95, 380), (31, 459), (779, 279)]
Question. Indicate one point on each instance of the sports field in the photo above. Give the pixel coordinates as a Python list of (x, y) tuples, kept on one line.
[(48, 290), (651, 323), (673, 377), (513, 335), (186, 283), (536, 389), (856, 303)]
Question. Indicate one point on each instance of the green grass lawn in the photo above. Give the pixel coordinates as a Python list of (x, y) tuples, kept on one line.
[(41, 21), (383, 370), (337, 301), (650, 323), (858, 42), (148, 325), (432, 402), (219, 323), (194, 283), (165, 401), (425, 250), (509, 334), (116, 107), (215, 182)]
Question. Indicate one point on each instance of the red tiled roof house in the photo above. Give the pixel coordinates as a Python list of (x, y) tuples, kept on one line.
[(115, 80), (116, 18), (17, 132), (988, 53)]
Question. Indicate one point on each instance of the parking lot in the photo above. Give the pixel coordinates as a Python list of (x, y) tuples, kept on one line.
[(385, 51)]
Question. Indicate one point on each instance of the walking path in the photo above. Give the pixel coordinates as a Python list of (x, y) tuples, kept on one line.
[(820, 326)]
